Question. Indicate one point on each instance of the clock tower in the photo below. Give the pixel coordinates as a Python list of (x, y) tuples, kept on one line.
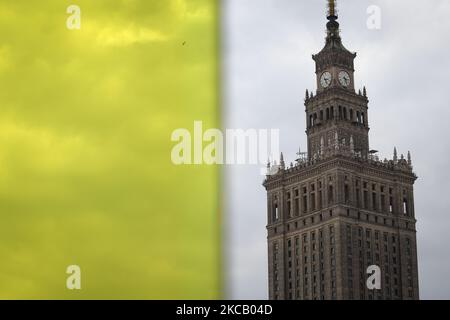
[(339, 211), (337, 112)]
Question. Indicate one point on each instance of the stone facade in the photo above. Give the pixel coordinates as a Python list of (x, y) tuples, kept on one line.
[(339, 209)]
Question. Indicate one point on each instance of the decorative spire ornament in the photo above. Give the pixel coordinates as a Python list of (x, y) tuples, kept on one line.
[(282, 161), (395, 155), (332, 25), (332, 10), (409, 158), (322, 146)]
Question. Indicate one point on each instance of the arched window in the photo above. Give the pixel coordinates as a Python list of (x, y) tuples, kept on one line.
[(351, 114), (321, 115), (363, 120), (328, 114), (345, 113)]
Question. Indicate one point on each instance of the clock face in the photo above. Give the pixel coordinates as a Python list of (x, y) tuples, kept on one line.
[(344, 78), (325, 79)]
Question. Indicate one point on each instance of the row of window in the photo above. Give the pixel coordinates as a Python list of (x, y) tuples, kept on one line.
[(341, 113), (376, 199)]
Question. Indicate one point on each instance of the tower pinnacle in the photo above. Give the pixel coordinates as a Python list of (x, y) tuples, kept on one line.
[(332, 25), (332, 15)]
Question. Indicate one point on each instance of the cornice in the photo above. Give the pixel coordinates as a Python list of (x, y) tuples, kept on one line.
[(299, 174)]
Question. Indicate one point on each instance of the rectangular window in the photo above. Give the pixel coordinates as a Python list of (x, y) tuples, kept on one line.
[(289, 209), (366, 200), (346, 193), (330, 194), (320, 204)]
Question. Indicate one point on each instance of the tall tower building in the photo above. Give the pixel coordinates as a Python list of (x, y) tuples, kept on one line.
[(339, 209)]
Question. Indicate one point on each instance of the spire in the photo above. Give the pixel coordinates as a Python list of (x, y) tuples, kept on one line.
[(333, 41), (332, 14), (395, 155), (409, 158), (307, 94), (332, 25), (364, 91)]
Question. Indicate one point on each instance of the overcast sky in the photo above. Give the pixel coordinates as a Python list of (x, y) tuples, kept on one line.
[(405, 65)]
